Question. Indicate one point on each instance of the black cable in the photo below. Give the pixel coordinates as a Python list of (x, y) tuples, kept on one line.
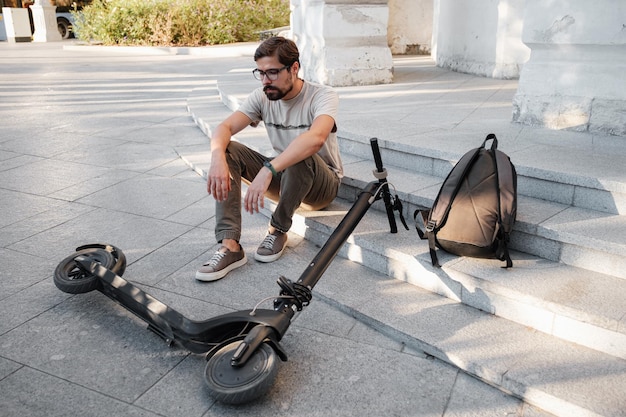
[(301, 294)]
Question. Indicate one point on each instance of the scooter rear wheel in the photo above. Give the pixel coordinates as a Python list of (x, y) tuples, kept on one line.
[(69, 277), (237, 385)]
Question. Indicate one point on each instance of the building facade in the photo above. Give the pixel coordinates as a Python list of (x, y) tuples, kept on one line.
[(569, 55)]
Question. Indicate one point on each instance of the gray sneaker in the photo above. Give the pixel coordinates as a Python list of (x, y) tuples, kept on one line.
[(272, 247), (221, 263)]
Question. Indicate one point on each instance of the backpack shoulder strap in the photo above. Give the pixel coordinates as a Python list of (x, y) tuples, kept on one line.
[(421, 217), (451, 186), (502, 177), (426, 232)]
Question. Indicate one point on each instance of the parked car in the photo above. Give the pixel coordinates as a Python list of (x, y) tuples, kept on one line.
[(65, 18), (65, 21)]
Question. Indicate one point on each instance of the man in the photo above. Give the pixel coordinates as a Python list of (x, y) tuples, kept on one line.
[(300, 121)]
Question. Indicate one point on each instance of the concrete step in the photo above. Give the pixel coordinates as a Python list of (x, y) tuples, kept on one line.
[(560, 377), (543, 290), (585, 238), (575, 236), (576, 185), (566, 167), (509, 328), (560, 300), (504, 326)]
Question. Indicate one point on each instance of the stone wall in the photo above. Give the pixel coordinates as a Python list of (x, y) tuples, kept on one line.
[(575, 76), (570, 55), (480, 37), (410, 28)]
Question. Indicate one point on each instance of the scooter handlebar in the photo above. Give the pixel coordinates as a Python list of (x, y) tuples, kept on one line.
[(376, 151), (385, 186)]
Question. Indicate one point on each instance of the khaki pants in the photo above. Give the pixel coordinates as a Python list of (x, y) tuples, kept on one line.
[(309, 183)]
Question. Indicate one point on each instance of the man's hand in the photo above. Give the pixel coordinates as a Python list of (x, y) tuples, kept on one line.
[(256, 191), (218, 183)]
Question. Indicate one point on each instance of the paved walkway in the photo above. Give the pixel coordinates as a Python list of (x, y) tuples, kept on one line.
[(87, 155)]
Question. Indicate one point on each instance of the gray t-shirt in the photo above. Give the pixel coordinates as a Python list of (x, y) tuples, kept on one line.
[(286, 119)]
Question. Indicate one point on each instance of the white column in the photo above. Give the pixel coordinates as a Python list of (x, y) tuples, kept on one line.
[(45, 21), (575, 76), (482, 37), (343, 42), (17, 24), (410, 29)]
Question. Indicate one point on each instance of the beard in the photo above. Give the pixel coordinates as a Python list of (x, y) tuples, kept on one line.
[(274, 93)]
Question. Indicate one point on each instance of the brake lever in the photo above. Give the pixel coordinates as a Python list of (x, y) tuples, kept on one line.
[(397, 205)]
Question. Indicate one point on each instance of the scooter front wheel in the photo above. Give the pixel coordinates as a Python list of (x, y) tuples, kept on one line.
[(71, 278), (237, 385)]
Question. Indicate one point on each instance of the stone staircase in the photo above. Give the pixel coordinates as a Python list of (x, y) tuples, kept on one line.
[(552, 329)]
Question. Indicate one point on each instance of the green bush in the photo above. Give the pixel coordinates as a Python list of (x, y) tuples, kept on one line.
[(178, 22)]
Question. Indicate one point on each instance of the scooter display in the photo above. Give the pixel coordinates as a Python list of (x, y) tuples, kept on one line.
[(242, 348)]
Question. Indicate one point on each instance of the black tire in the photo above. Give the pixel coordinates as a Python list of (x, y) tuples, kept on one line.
[(238, 385), (120, 259), (65, 27), (69, 277)]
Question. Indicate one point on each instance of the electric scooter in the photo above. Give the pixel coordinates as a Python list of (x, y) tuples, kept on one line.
[(241, 347)]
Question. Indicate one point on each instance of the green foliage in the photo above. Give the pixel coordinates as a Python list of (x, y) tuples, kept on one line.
[(178, 22)]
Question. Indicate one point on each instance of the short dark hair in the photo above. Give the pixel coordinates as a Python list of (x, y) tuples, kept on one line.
[(284, 49)]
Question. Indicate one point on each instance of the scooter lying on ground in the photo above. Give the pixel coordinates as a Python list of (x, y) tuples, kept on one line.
[(242, 347)]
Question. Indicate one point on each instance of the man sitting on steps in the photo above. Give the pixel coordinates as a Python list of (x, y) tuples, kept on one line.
[(299, 117)]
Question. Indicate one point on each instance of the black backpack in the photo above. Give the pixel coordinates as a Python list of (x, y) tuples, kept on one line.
[(475, 210)]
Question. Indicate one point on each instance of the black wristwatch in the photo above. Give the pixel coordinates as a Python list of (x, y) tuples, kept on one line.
[(269, 166)]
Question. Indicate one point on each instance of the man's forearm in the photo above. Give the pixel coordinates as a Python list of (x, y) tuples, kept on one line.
[(220, 139), (301, 148)]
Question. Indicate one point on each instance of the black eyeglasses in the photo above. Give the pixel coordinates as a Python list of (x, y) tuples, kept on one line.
[(271, 74)]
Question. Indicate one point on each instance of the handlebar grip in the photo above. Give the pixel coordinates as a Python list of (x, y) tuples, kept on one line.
[(376, 151)]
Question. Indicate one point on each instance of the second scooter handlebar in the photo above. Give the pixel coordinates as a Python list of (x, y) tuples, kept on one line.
[(381, 175)]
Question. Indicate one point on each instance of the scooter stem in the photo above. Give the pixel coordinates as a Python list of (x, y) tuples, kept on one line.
[(316, 268)]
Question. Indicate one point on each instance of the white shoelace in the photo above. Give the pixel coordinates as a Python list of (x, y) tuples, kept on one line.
[(217, 256), (268, 242)]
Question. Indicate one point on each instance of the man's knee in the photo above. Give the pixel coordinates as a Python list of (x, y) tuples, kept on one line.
[(300, 171), (235, 149)]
